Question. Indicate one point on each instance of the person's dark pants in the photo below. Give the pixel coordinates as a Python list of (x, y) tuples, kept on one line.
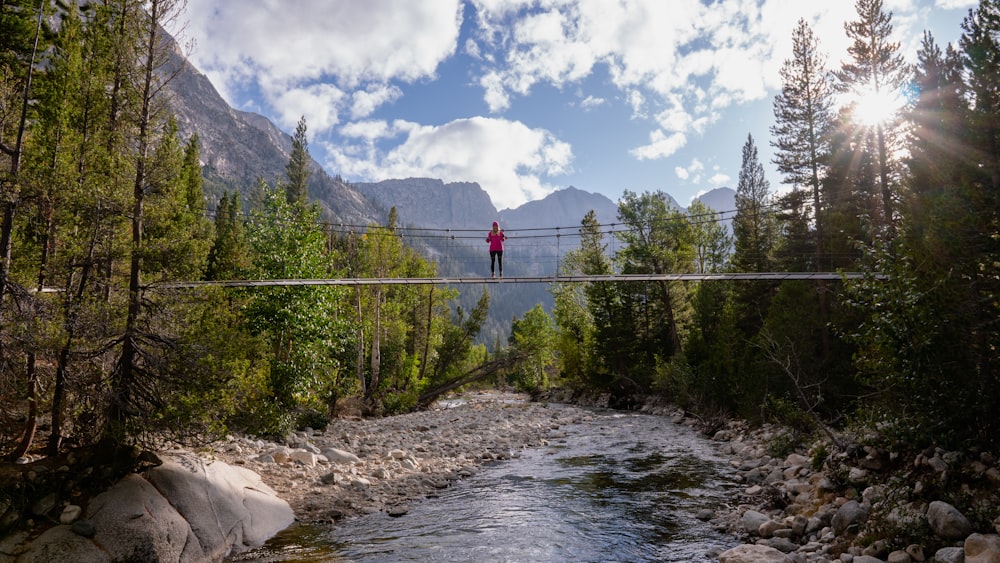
[(496, 257)]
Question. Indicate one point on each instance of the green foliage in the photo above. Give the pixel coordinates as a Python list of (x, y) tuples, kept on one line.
[(675, 379), (532, 336)]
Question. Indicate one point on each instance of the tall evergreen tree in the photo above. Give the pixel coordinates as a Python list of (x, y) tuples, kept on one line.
[(876, 71), (297, 169), (754, 231), (753, 224), (132, 387)]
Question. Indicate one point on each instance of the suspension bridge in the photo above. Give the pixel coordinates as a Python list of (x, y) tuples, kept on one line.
[(460, 280)]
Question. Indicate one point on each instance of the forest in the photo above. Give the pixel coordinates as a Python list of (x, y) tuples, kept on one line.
[(102, 203)]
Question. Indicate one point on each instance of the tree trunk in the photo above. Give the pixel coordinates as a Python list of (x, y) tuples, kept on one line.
[(376, 362)]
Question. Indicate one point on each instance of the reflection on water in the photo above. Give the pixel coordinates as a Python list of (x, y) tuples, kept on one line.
[(622, 487)]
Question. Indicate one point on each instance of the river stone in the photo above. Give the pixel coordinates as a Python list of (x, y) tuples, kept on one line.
[(134, 522), (752, 521), (59, 543), (44, 505), (950, 555), (849, 517), (981, 548), (340, 456), (753, 554), (947, 522), (70, 513), (83, 528), (303, 456)]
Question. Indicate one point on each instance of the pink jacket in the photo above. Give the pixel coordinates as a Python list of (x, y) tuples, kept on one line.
[(495, 240)]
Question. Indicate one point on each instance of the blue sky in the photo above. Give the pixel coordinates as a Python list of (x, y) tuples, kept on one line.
[(528, 96)]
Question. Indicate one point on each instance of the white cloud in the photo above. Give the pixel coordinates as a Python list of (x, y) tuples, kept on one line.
[(318, 103), (956, 4), (591, 102), (508, 159), (661, 145), (365, 102), (280, 46), (691, 171), (720, 180)]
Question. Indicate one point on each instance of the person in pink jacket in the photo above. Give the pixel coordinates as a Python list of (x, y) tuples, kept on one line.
[(496, 237)]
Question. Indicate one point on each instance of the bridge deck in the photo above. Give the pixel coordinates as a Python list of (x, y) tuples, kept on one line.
[(767, 276)]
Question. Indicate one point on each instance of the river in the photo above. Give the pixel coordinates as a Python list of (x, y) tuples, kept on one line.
[(618, 487)]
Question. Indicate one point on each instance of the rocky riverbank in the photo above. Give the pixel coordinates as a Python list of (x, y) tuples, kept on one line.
[(811, 506), (828, 503), (817, 505), (358, 466)]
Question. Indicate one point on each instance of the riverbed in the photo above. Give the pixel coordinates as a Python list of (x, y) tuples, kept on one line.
[(611, 486)]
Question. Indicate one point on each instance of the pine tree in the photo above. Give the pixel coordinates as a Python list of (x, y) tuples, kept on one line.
[(754, 231), (876, 69), (753, 224), (297, 169)]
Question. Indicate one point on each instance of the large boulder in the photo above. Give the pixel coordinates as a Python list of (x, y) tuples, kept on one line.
[(184, 510), (947, 522), (849, 518)]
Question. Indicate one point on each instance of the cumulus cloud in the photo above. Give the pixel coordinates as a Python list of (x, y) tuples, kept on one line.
[(507, 158), (591, 102), (341, 43)]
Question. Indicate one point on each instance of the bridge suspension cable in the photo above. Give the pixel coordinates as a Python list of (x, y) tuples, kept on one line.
[(456, 280)]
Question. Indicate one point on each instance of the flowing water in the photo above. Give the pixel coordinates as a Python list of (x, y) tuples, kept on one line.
[(620, 487)]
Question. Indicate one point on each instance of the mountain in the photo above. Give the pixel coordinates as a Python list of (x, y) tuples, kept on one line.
[(431, 203), (721, 200), (238, 147), (562, 208)]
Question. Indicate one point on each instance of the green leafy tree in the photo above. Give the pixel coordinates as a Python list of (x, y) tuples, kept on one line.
[(532, 337), (302, 325), (643, 320), (575, 330)]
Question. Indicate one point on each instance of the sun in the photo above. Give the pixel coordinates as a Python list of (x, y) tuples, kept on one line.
[(876, 107)]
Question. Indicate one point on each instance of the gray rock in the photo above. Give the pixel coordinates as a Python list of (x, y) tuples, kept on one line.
[(849, 518), (44, 505), (752, 520), (340, 456), (947, 522), (83, 528), (950, 555), (781, 544), (754, 554), (212, 508)]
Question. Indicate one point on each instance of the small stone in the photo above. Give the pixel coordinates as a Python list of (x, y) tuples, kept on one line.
[(70, 514), (83, 528), (44, 505), (398, 510)]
